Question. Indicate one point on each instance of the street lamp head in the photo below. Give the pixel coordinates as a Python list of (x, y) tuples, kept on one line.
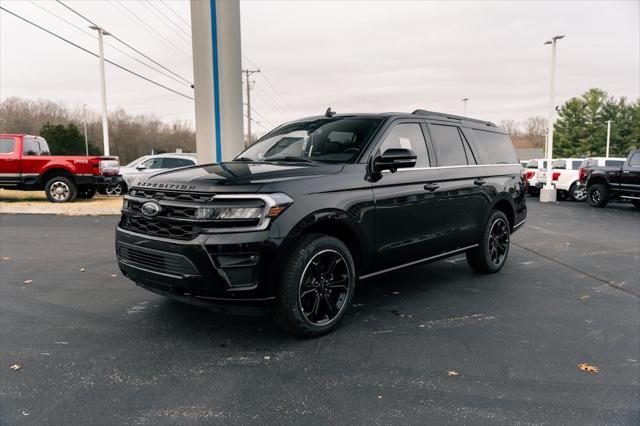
[(559, 37), (548, 42), (465, 99)]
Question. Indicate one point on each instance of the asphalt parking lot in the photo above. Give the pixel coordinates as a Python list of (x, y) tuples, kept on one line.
[(430, 345)]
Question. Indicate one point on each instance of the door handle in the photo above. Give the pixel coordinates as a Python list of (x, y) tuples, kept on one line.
[(431, 187), (479, 182)]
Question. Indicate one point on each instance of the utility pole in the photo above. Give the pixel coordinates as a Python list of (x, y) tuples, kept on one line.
[(247, 75), (548, 193), (105, 123), (84, 119), (608, 136), (465, 100)]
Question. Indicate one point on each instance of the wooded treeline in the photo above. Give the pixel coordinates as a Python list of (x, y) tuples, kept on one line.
[(130, 136)]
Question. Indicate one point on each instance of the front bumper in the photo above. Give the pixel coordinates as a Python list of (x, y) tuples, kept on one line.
[(222, 271), (99, 181)]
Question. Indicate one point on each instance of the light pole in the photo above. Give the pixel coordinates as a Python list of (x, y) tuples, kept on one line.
[(608, 136), (548, 193), (84, 119), (465, 100), (105, 122)]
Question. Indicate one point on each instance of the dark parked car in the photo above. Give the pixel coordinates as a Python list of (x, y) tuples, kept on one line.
[(621, 181), (320, 204)]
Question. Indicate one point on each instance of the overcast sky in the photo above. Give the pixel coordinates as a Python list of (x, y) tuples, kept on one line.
[(360, 56)]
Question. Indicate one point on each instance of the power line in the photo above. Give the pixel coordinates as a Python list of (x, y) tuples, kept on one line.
[(176, 14), (284, 102), (262, 116), (126, 44), (107, 43), (94, 54), (170, 21), (121, 4), (163, 21)]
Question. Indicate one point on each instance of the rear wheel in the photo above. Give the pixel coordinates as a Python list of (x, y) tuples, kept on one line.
[(493, 250), (114, 190), (317, 286), (598, 195), (60, 189), (578, 192), (86, 192)]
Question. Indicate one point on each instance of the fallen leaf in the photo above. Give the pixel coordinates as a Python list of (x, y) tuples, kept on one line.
[(588, 368), (83, 269), (452, 373), (379, 396), (267, 357), (586, 296), (5, 258), (16, 367), (28, 282), (114, 275)]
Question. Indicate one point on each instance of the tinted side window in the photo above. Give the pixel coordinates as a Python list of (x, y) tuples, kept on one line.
[(31, 147), (634, 161), (575, 165), (7, 145), (613, 163), (408, 136), (448, 145), (496, 147), (172, 163)]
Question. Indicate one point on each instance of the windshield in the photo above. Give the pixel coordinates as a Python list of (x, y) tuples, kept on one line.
[(331, 140)]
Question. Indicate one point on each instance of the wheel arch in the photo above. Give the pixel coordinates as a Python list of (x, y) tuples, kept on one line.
[(593, 180), (506, 206), (56, 171)]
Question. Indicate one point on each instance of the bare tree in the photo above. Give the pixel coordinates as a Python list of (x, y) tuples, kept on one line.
[(536, 128), (510, 126)]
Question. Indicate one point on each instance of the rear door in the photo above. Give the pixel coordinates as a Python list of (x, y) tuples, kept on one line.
[(35, 155), (408, 221), (630, 177), (462, 202), (9, 161)]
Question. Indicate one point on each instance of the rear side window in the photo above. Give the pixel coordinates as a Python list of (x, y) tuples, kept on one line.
[(31, 147), (172, 163), (154, 163), (7, 145), (559, 164), (496, 147), (634, 161), (575, 165), (408, 136), (449, 146), (613, 163)]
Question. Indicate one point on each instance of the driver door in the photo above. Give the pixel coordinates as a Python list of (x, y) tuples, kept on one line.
[(408, 221)]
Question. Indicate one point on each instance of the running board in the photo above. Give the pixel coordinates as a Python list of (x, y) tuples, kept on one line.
[(630, 197), (416, 262)]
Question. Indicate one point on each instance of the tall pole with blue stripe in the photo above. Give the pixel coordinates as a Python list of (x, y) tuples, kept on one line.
[(217, 68)]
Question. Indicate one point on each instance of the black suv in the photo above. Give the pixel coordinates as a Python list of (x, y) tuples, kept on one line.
[(320, 204)]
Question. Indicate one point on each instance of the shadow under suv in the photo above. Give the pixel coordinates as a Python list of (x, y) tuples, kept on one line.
[(319, 204)]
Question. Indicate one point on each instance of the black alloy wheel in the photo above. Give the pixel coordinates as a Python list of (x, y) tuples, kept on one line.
[(324, 287), (492, 251), (316, 286)]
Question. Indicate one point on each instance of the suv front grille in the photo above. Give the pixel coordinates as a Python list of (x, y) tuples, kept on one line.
[(159, 227), (156, 262), (152, 194)]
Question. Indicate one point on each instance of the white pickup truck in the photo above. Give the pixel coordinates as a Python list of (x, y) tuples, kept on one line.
[(533, 167), (565, 177)]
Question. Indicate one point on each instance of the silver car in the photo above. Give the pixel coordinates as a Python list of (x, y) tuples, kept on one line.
[(154, 164)]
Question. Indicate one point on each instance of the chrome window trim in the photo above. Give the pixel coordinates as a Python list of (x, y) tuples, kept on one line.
[(409, 169)]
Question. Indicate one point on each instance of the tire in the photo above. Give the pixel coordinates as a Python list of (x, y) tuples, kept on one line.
[(307, 304), (60, 189), (636, 203), (578, 192), (86, 192), (492, 252), (598, 195)]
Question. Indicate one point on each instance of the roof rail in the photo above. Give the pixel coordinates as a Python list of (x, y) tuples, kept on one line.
[(450, 116)]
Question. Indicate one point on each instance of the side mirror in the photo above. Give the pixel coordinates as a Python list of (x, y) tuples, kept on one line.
[(395, 158), (141, 167)]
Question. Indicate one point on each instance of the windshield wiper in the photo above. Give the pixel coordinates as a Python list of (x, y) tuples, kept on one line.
[(291, 159)]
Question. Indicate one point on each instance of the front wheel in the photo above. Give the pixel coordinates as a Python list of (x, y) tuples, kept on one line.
[(598, 195), (317, 286), (578, 192), (60, 189), (491, 254), (115, 190)]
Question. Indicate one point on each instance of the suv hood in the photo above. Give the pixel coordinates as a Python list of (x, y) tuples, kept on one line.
[(235, 175)]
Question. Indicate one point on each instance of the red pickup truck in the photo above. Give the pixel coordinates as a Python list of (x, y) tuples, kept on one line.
[(27, 164)]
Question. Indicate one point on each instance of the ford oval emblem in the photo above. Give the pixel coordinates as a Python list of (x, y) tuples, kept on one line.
[(150, 209)]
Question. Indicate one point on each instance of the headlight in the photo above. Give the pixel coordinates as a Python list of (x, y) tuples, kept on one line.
[(229, 213)]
